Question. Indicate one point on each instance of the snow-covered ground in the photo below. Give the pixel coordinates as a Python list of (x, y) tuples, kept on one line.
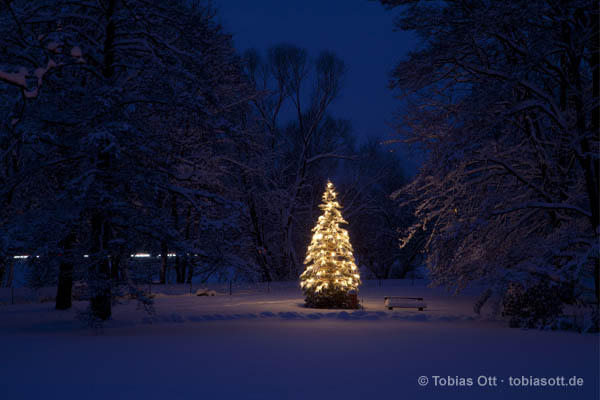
[(256, 344)]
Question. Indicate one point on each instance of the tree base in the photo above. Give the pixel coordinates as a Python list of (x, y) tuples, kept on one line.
[(65, 286), (330, 298), (100, 306)]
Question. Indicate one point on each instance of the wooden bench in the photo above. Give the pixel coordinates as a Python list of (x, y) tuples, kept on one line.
[(392, 302)]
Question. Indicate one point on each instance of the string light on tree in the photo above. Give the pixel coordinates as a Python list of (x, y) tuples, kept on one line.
[(331, 272)]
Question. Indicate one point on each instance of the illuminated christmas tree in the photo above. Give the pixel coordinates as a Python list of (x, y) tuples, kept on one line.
[(330, 269)]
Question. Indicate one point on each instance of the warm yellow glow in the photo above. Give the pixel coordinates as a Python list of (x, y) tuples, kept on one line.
[(329, 260)]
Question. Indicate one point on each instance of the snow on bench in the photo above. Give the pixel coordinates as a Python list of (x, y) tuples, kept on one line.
[(392, 302)]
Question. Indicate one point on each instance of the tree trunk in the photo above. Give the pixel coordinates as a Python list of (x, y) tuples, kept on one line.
[(163, 269), (65, 275), (11, 273), (100, 301), (115, 267), (65, 285), (180, 276), (190, 270), (182, 263), (183, 266), (2, 271), (261, 247)]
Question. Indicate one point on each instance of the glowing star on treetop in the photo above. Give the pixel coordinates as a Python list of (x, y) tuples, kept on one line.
[(330, 268)]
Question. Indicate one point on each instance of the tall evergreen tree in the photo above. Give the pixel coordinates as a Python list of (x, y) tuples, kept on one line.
[(330, 269)]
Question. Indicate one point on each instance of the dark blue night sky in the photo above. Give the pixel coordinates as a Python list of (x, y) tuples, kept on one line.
[(361, 32)]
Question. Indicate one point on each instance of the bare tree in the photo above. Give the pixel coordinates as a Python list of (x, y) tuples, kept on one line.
[(296, 93)]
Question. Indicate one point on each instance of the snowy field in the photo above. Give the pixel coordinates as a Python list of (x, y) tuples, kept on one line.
[(256, 344)]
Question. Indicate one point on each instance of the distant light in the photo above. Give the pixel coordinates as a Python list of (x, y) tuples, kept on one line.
[(168, 255), (85, 256), (140, 255), (21, 257)]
